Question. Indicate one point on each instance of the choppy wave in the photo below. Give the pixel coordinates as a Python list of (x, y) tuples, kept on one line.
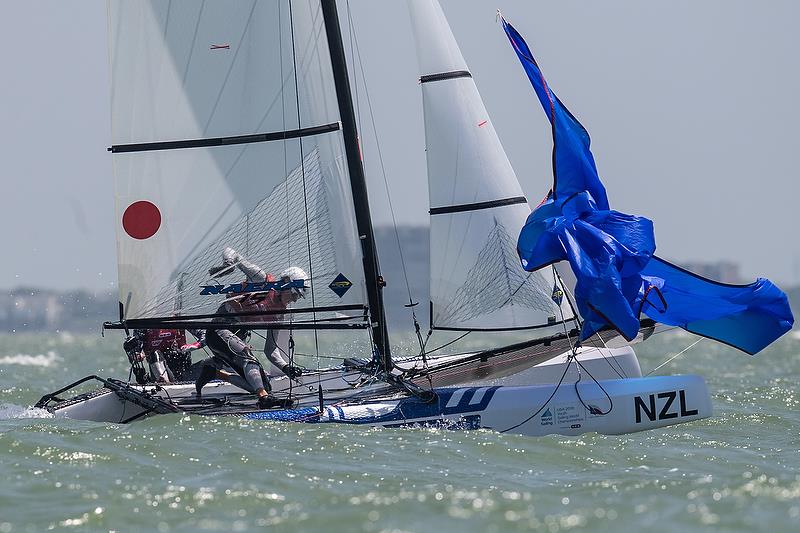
[(732, 472), (8, 410), (44, 360)]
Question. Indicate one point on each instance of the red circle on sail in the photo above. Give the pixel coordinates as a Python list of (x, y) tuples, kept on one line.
[(141, 220)]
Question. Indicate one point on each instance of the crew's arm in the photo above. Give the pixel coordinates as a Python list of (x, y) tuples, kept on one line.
[(277, 351), (134, 345), (276, 348), (253, 272), (200, 335)]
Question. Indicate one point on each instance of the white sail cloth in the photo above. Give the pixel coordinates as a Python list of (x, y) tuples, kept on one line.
[(477, 204), (185, 71)]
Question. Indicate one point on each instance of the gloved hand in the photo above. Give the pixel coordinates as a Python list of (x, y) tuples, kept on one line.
[(132, 344), (231, 256), (293, 372), (135, 357), (188, 348), (133, 349)]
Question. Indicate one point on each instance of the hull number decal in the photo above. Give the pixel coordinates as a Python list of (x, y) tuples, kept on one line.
[(662, 406)]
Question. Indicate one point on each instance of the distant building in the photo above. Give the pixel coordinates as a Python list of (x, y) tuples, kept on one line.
[(31, 309), (722, 271)]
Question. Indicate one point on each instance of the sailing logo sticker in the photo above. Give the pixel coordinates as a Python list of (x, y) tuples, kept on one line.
[(547, 418), (340, 285), (558, 294), (251, 287)]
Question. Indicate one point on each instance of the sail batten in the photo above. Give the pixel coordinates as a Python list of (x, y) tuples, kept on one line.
[(224, 141), (441, 76), (213, 324), (478, 205)]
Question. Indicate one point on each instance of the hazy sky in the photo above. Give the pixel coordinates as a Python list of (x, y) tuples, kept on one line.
[(691, 107)]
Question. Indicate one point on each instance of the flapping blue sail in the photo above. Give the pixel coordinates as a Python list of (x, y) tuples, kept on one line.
[(612, 253)]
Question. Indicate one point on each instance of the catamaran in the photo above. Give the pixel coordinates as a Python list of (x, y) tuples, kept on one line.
[(233, 125)]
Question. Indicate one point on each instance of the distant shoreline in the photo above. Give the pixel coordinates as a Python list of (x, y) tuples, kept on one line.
[(30, 309)]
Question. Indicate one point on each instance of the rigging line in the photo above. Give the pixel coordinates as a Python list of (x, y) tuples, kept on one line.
[(230, 67), (283, 119), (284, 81), (449, 343), (617, 369), (166, 21), (223, 214), (574, 349), (613, 363), (621, 372), (194, 40), (355, 74), (555, 389), (676, 355), (570, 301), (592, 410), (305, 196), (225, 211), (354, 46)]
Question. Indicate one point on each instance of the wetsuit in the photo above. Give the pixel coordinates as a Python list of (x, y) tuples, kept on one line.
[(230, 346)]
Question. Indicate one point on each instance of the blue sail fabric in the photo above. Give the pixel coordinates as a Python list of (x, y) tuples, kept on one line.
[(748, 317), (612, 253)]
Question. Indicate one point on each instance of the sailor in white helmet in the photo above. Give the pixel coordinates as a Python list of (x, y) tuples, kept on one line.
[(276, 347), (230, 346)]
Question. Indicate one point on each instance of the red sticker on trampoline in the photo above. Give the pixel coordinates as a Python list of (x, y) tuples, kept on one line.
[(141, 220)]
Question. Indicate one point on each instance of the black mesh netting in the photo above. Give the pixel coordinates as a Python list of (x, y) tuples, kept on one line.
[(278, 232)]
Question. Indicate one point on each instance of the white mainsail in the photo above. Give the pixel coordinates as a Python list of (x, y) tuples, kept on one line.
[(477, 204), (225, 132)]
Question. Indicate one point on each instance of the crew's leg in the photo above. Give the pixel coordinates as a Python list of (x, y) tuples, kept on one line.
[(210, 367), (238, 356), (208, 371), (236, 380)]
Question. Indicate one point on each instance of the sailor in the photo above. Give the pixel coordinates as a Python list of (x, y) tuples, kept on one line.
[(165, 350), (230, 347)]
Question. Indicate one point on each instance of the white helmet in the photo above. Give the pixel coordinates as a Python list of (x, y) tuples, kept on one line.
[(294, 273)]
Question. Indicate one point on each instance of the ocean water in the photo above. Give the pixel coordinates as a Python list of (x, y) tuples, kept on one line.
[(738, 471)]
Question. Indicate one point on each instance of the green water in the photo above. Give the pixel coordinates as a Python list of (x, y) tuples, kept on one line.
[(738, 471)]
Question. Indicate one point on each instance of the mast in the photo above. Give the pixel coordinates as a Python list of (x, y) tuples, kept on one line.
[(358, 184)]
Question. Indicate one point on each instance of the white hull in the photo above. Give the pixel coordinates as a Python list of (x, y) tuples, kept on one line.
[(622, 406), (488, 405)]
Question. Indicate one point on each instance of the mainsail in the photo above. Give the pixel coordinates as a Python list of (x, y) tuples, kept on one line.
[(477, 204), (226, 132)]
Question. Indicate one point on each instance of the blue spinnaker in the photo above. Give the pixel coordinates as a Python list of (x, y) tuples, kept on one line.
[(612, 253)]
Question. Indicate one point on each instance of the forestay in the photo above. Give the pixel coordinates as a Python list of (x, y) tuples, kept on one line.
[(226, 132), (477, 204)]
